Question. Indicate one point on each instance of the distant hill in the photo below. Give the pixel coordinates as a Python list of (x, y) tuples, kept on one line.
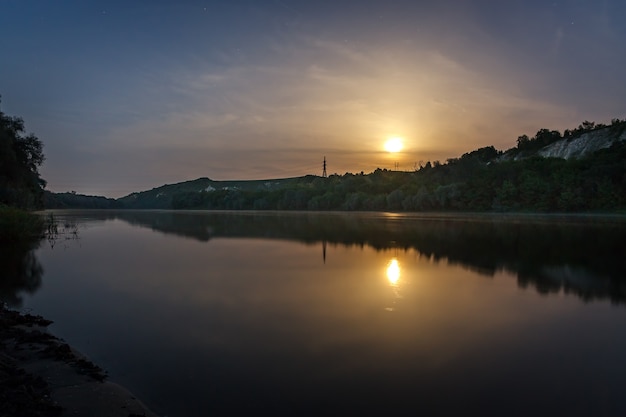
[(161, 197), (79, 201), (583, 169)]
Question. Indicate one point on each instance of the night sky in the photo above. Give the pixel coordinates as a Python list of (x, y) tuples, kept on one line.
[(130, 95)]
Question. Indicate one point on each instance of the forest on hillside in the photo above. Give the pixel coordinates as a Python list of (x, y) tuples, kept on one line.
[(482, 180)]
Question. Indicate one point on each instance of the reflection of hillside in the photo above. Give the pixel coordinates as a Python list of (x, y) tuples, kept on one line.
[(20, 270), (584, 256)]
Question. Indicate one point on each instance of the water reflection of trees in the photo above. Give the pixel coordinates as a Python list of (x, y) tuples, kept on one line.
[(580, 255), (21, 271)]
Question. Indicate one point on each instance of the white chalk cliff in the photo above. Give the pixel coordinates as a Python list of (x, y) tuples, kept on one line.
[(583, 145)]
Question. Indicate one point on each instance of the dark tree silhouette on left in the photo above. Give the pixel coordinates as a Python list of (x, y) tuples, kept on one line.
[(21, 155)]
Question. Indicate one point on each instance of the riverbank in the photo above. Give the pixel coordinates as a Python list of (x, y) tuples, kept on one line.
[(40, 375), (19, 225)]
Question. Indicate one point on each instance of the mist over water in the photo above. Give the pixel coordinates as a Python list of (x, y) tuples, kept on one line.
[(208, 313)]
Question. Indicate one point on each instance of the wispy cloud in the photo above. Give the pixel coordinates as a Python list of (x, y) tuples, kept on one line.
[(335, 95)]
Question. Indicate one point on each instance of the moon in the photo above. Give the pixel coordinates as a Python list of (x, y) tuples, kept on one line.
[(394, 145)]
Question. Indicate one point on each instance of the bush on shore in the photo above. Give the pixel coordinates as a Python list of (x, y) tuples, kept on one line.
[(20, 225)]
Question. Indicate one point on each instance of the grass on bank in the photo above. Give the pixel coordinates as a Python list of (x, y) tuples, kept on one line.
[(19, 225)]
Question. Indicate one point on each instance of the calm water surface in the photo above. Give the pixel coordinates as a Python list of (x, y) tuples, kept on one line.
[(202, 313)]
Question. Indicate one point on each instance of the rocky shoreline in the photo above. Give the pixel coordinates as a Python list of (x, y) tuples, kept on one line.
[(41, 375)]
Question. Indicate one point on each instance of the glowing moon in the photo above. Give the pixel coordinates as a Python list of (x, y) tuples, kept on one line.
[(393, 145)]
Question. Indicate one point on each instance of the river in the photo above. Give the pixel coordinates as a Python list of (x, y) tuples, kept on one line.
[(282, 313)]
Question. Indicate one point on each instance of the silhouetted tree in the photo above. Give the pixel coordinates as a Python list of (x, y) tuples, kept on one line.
[(522, 142), (20, 157), (587, 125)]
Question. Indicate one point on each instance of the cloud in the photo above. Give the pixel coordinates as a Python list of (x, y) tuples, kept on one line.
[(333, 94)]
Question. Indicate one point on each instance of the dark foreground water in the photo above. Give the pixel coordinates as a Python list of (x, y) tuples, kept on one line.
[(204, 313)]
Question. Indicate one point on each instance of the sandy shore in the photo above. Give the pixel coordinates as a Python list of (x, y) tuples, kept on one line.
[(40, 375)]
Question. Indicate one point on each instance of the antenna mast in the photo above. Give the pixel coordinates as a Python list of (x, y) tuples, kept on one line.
[(324, 171)]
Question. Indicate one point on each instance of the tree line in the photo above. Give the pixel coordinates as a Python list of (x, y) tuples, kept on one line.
[(21, 154), (480, 180)]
